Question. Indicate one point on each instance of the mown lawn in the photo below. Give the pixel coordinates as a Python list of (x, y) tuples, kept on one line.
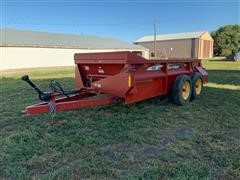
[(149, 139)]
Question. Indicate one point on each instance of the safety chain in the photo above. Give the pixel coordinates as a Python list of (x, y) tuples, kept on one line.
[(52, 111)]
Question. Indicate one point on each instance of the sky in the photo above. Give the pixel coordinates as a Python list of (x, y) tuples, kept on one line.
[(126, 20)]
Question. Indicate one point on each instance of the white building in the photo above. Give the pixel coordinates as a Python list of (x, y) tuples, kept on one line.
[(31, 49)]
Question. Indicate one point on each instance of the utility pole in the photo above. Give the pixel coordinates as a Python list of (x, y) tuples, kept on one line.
[(154, 30)]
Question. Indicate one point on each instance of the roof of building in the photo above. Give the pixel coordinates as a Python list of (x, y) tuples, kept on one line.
[(26, 38), (165, 37)]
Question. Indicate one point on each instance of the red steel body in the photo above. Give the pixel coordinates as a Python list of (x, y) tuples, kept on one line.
[(121, 75)]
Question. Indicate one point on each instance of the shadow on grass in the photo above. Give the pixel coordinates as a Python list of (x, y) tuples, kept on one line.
[(228, 77), (224, 71)]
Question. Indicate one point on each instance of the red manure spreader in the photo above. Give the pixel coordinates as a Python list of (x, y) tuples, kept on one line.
[(110, 77)]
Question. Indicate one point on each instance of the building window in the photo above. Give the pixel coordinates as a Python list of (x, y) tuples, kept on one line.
[(152, 54)]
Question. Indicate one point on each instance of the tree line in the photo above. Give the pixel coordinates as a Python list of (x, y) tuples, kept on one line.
[(226, 40)]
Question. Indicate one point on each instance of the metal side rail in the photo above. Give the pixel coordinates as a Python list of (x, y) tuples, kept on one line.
[(75, 102)]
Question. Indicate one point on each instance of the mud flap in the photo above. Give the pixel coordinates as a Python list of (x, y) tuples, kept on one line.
[(203, 72)]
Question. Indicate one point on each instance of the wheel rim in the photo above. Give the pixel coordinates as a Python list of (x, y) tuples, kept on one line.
[(186, 90), (198, 86)]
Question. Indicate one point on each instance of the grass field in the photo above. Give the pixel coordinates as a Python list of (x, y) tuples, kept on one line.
[(149, 139)]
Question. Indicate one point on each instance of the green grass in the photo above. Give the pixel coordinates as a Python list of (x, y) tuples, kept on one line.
[(150, 139), (221, 65)]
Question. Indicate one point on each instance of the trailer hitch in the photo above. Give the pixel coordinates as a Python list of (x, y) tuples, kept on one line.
[(55, 86), (43, 96), (49, 97)]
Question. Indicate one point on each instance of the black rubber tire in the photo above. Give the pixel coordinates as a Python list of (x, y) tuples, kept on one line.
[(177, 90), (195, 76)]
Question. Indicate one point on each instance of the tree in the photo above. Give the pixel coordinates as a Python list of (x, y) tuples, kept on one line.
[(226, 40)]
